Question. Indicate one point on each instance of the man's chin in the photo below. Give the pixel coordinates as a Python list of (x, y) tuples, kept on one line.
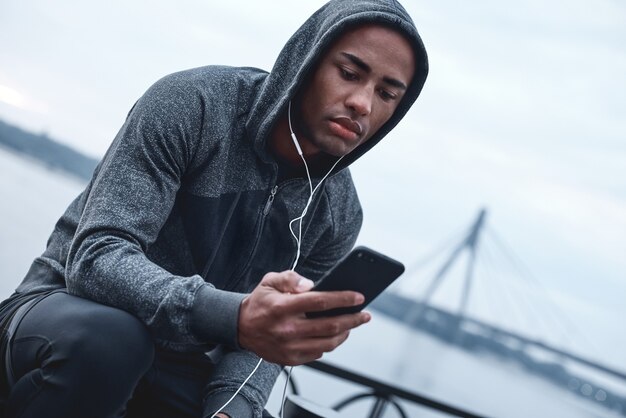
[(334, 147), (338, 148), (334, 153)]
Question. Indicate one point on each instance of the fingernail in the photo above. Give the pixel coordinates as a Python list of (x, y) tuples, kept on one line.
[(367, 316), (360, 299), (304, 284)]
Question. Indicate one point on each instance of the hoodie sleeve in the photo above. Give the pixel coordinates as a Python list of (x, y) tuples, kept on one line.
[(130, 199), (230, 371)]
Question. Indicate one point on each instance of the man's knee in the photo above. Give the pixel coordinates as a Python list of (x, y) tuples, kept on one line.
[(106, 338), (90, 338)]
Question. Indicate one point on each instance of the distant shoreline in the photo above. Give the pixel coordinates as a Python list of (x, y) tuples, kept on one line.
[(44, 150), (56, 170)]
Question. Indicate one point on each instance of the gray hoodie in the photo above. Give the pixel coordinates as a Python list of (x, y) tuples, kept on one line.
[(184, 215)]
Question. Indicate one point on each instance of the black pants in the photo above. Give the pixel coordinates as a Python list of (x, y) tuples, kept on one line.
[(72, 357)]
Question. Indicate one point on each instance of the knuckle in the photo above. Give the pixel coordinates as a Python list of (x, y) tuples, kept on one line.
[(268, 276), (278, 306), (287, 332), (321, 302), (290, 274), (335, 328)]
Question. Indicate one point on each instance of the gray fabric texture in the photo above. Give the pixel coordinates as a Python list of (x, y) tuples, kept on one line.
[(177, 223)]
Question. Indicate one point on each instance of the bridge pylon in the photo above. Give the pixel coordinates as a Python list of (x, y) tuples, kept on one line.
[(469, 243)]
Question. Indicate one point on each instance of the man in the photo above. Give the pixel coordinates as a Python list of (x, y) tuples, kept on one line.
[(181, 243)]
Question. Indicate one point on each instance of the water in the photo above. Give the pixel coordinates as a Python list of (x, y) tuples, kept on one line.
[(33, 197), (387, 351)]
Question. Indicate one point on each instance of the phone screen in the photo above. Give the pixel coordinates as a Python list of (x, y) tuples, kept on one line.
[(362, 270)]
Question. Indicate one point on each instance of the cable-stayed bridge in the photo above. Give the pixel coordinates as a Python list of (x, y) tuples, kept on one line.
[(588, 378)]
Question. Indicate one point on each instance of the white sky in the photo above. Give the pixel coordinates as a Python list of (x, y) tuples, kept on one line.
[(523, 113)]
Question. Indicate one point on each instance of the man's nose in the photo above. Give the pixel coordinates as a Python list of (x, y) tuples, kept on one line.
[(360, 101)]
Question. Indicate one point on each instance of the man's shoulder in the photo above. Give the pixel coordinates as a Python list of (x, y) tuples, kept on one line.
[(213, 77), (339, 181), (196, 91), (341, 191)]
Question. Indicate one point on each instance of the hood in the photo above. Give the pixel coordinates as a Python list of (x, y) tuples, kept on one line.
[(304, 49)]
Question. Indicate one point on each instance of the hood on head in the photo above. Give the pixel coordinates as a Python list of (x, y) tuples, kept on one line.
[(306, 47)]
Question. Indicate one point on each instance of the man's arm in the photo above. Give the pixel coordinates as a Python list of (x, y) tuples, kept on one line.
[(130, 199), (273, 325)]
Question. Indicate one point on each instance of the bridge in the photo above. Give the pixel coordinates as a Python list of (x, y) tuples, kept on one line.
[(534, 355)]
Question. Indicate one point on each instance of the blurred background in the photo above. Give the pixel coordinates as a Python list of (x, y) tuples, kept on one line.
[(514, 313)]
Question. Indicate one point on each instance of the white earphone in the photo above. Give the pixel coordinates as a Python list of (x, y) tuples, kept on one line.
[(298, 239)]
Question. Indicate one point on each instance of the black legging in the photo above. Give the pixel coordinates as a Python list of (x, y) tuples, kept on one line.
[(72, 357)]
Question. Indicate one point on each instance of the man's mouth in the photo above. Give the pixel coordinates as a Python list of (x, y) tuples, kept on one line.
[(346, 128)]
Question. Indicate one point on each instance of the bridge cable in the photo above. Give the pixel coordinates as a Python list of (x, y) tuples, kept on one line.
[(562, 320)]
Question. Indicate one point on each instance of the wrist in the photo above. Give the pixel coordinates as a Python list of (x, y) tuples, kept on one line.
[(214, 316), (241, 325)]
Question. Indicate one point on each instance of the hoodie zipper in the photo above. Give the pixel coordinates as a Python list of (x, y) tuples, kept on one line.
[(270, 200), (266, 210), (257, 238)]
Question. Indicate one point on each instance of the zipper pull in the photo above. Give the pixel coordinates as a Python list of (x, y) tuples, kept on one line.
[(270, 200)]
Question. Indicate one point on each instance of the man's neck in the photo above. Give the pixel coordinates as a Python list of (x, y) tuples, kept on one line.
[(290, 163)]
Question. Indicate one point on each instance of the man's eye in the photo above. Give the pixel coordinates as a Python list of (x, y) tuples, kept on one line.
[(386, 96), (348, 75)]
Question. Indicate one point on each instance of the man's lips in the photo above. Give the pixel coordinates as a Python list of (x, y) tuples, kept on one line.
[(346, 127), (349, 124)]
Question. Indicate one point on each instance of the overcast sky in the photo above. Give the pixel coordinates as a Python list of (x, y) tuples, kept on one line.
[(523, 113)]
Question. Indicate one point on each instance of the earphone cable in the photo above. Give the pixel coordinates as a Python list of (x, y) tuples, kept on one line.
[(298, 239)]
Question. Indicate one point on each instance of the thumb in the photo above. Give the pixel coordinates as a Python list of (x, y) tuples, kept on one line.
[(287, 282)]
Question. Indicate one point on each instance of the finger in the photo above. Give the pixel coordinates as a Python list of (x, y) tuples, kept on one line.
[(321, 301), (332, 326), (306, 350), (287, 282)]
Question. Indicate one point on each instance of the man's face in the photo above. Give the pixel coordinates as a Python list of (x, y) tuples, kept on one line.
[(355, 89)]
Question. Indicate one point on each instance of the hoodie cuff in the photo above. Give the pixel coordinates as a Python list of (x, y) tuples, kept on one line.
[(238, 408), (215, 316)]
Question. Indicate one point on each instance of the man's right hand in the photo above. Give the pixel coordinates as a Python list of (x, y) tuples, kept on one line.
[(273, 325)]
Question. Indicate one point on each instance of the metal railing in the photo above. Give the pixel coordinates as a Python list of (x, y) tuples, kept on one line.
[(384, 395)]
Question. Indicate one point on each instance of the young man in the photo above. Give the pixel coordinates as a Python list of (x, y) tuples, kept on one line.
[(181, 244)]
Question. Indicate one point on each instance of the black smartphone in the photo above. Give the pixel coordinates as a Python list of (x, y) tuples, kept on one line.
[(362, 270)]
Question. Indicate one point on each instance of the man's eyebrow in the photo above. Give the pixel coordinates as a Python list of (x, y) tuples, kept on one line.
[(363, 66), (358, 62), (395, 83)]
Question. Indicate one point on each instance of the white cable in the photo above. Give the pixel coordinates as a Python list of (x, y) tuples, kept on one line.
[(282, 402), (298, 239), (311, 190), (300, 218), (304, 212), (238, 390)]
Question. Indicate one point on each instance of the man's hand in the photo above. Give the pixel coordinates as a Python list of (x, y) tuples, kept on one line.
[(272, 321)]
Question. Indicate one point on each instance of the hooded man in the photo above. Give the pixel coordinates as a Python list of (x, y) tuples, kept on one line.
[(182, 242)]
